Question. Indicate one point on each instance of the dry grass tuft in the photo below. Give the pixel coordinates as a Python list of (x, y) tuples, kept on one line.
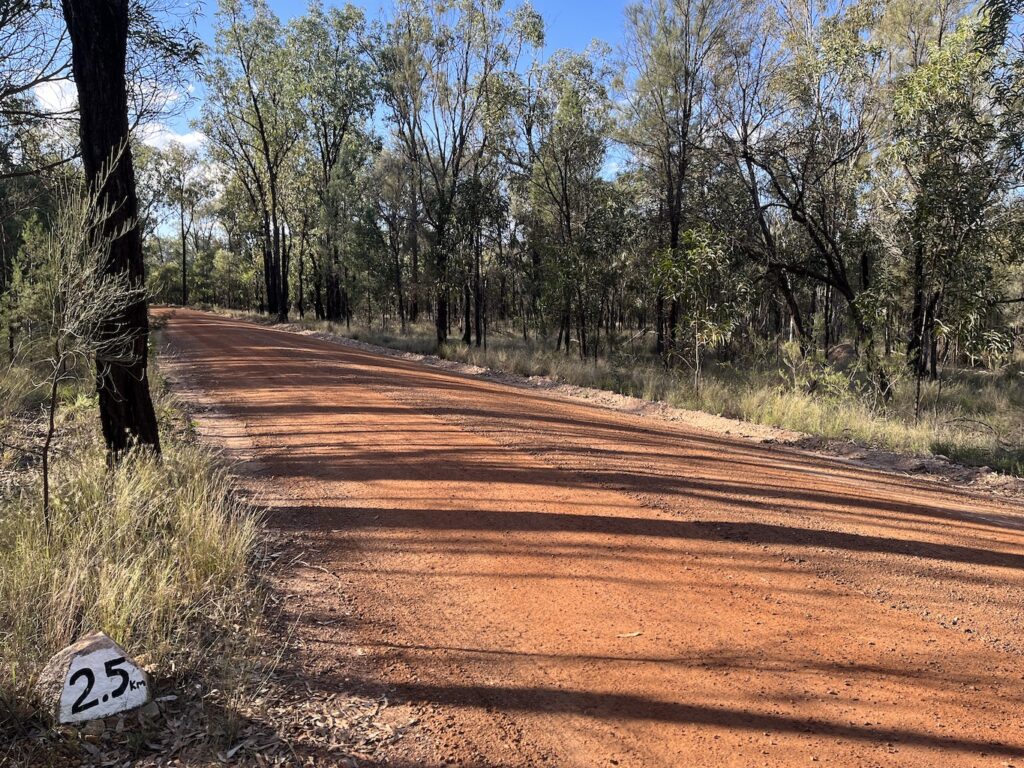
[(158, 553)]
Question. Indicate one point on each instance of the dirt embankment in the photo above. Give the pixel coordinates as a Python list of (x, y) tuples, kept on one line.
[(934, 468)]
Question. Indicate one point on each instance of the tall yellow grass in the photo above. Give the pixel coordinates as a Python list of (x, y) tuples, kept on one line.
[(154, 552)]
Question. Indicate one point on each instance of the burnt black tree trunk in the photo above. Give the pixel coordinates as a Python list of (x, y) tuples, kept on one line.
[(478, 298), (414, 246), (184, 261), (98, 30), (467, 323)]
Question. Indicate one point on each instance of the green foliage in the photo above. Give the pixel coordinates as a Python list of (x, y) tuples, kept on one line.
[(825, 191), (736, 170), (700, 276)]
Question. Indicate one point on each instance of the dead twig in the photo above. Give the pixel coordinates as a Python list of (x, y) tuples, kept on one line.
[(22, 448)]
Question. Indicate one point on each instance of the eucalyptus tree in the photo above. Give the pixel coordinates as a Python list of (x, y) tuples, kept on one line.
[(751, 107), (479, 209), (98, 31), (566, 129), (802, 124), (252, 119), (671, 53), (180, 176), (242, 252), (441, 62), (954, 172), (390, 182), (699, 274), (303, 217), (335, 86), (350, 197)]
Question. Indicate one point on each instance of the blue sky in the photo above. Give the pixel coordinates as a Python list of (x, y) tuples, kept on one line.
[(569, 24)]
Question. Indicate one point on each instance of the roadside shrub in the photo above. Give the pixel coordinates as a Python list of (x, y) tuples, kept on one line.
[(155, 552)]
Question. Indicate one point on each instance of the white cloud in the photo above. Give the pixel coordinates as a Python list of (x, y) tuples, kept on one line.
[(56, 95), (160, 136), (60, 96)]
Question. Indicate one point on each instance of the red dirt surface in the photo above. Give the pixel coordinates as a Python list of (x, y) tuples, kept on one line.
[(540, 581)]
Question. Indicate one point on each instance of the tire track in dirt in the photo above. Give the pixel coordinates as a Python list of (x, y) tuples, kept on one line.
[(545, 581)]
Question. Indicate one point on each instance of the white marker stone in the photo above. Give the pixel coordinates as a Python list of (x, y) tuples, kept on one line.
[(90, 680)]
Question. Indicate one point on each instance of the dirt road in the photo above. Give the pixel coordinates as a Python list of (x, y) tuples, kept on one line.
[(546, 582)]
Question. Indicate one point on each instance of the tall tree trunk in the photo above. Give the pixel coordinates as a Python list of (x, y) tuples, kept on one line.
[(269, 281), (478, 304), (184, 262), (659, 323), (915, 343), (98, 30), (667, 340), (278, 272), (284, 302), (467, 324), (827, 324), (318, 290), (933, 345), (414, 246), (397, 256), (300, 304), (441, 318), (346, 303), (333, 307)]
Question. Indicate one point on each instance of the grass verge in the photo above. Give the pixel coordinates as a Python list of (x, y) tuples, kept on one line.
[(157, 553)]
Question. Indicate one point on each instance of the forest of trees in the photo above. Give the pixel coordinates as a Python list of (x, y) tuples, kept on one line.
[(805, 214), (844, 176)]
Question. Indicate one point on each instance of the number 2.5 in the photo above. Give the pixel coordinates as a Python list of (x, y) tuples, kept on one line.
[(112, 671)]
